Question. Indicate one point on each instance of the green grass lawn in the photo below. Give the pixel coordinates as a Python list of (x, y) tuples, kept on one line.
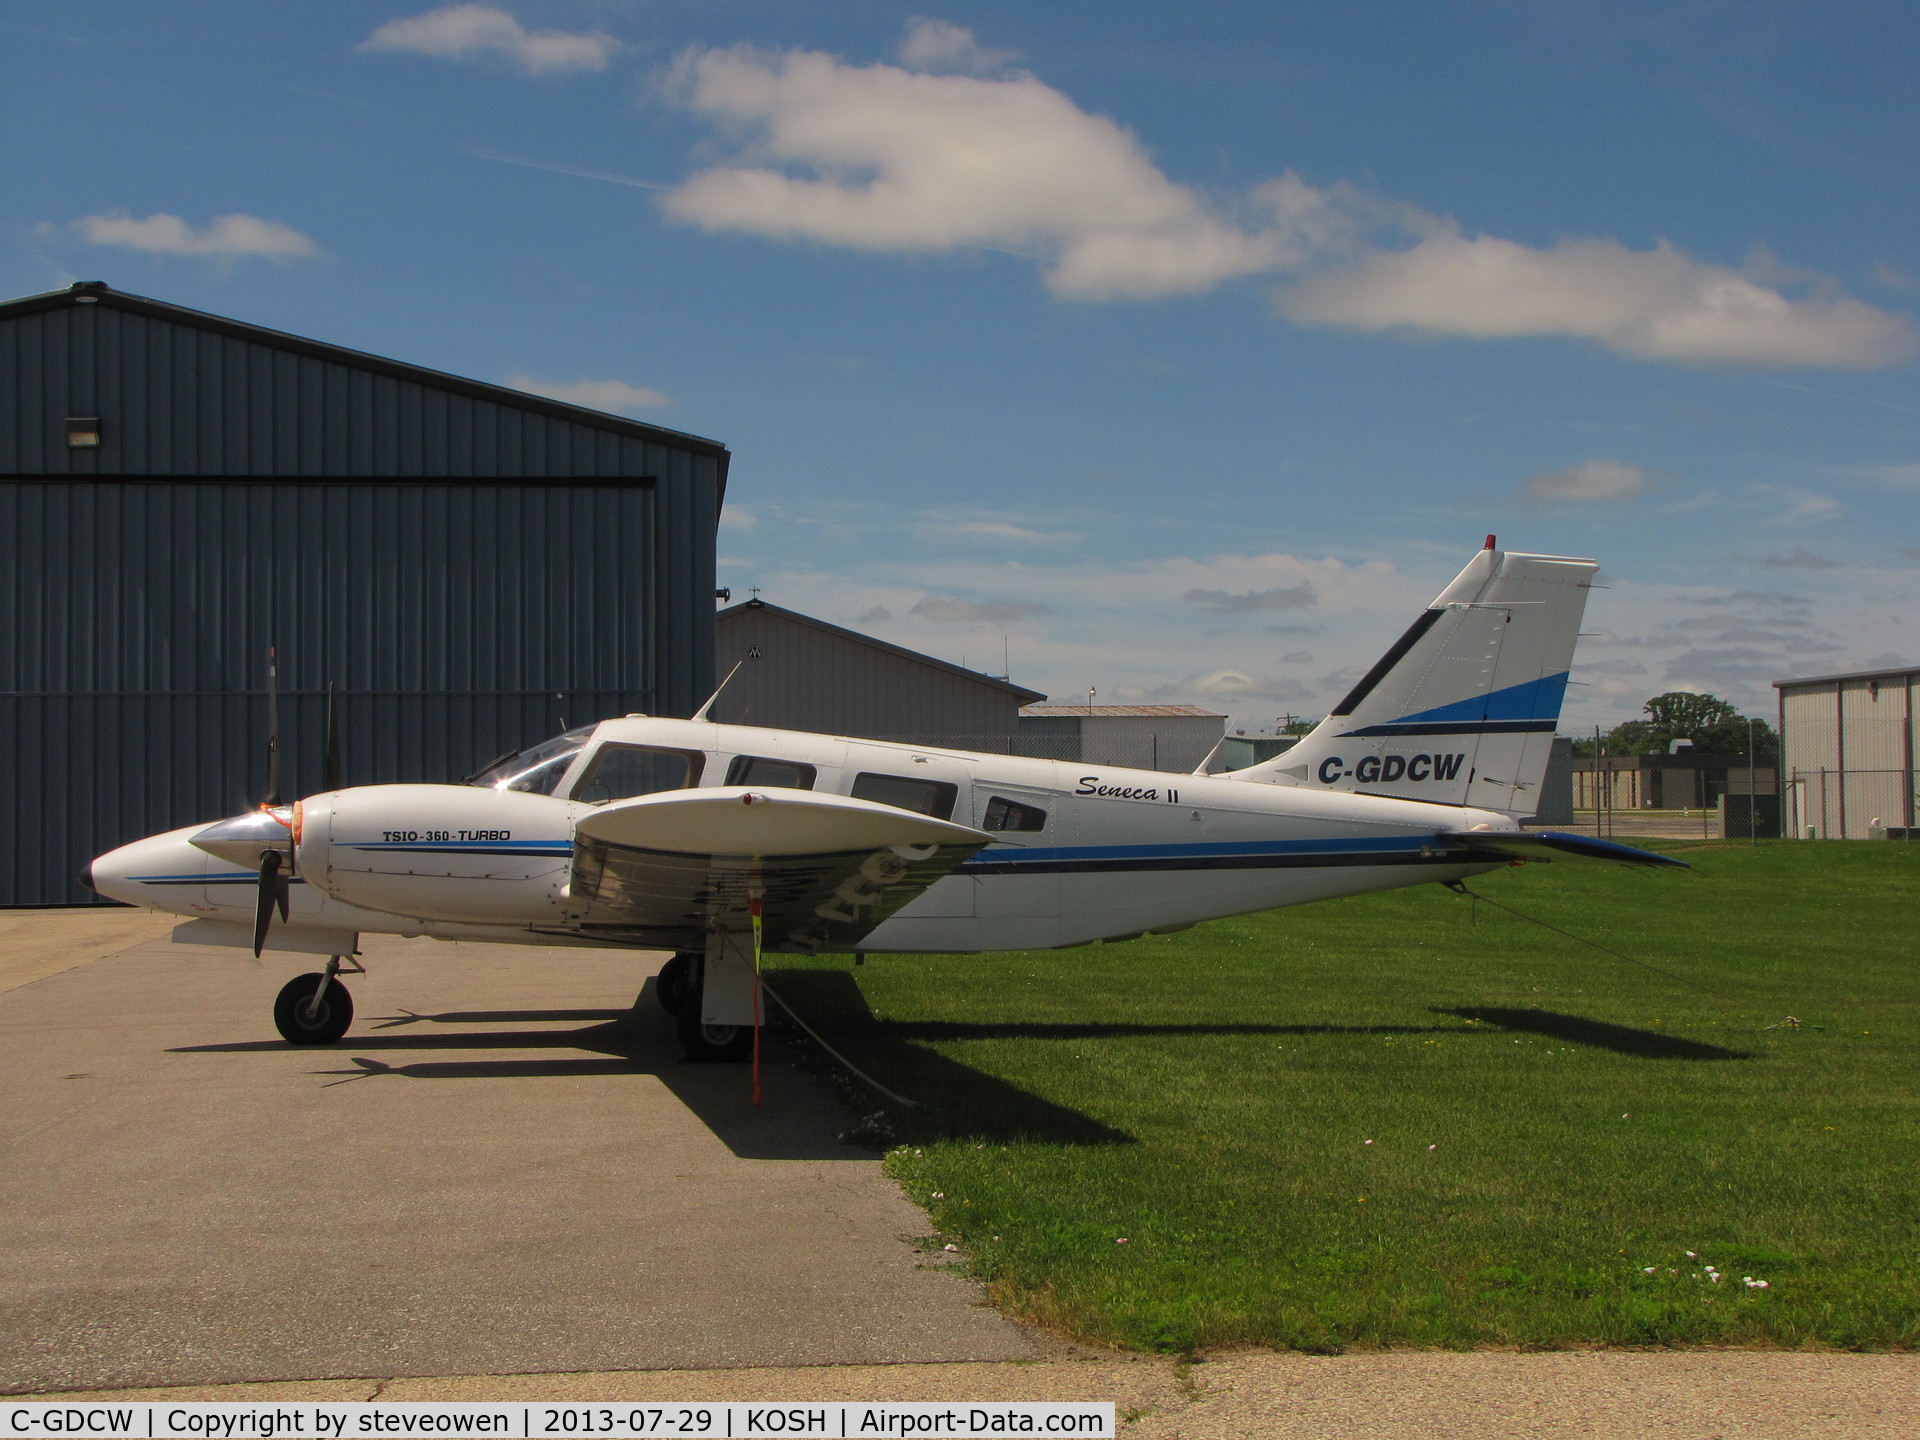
[(1396, 1120)]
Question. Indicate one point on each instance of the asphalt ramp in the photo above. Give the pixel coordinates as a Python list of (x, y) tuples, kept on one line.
[(503, 1168)]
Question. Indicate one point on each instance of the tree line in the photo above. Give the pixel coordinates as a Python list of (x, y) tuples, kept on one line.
[(1708, 721)]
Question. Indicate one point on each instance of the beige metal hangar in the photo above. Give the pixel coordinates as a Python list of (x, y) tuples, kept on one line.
[(1146, 737), (1846, 769)]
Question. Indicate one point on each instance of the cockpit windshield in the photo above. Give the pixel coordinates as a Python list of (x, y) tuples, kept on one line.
[(536, 770)]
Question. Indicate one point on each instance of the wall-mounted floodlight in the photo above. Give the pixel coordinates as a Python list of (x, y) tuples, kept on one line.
[(83, 432)]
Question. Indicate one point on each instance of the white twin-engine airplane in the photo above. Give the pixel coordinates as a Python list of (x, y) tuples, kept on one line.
[(682, 834)]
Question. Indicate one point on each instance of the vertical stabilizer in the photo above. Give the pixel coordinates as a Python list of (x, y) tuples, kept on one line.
[(1462, 709)]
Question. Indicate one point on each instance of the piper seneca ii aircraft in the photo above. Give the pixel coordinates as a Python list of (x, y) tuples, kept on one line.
[(719, 842)]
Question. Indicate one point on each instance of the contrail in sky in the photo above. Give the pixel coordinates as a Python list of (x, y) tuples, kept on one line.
[(583, 174), (1831, 395)]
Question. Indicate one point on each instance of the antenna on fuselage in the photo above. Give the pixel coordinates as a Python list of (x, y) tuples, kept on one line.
[(701, 713)]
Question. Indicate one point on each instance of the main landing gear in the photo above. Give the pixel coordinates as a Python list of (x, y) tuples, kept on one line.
[(678, 989), (315, 1009)]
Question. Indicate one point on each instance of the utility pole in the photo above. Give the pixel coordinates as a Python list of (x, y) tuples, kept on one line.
[(1600, 786), (1753, 819)]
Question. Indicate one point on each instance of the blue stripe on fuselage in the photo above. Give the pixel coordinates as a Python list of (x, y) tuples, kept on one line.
[(238, 877)]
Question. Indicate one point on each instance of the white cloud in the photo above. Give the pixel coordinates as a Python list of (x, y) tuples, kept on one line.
[(1230, 684), (462, 32), (733, 517), (892, 160), (1657, 304), (977, 612), (614, 396), (1220, 602), (1120, 625), (1801, 505), (883, 158), (988, 529), (1590, 480), (225, 237), (937, 45)]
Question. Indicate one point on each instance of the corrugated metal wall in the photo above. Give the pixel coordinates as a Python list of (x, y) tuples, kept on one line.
[(1849, 759), (553, 573)]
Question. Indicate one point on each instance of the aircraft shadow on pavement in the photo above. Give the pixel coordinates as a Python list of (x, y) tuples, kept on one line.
[(641, 1041), (635, 1042), (1578, 1030)]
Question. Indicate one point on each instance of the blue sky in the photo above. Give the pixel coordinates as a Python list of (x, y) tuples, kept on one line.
[(1181, 353)]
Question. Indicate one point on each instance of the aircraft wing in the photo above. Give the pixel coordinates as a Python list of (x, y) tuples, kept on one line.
[(667, 869), (1544, 844)]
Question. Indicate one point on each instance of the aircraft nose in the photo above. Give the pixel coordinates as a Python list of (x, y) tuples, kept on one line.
[(86, 878)]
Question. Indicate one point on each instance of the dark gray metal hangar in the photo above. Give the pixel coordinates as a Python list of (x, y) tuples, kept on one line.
[(472, 567)]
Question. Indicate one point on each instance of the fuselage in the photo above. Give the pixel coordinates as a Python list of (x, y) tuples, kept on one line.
[(1079, 852)]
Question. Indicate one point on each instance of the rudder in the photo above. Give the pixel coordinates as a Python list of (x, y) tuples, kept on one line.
[(1462, 709)]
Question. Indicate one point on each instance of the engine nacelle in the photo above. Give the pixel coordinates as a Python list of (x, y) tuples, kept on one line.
[(439, 852)]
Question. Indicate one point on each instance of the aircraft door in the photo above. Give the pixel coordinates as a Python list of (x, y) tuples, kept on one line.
[(1020, 818), (929, 785)]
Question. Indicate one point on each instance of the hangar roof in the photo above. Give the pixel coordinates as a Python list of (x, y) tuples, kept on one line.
[(1897, 672), (1019, 692), (99, 293), (1161, 712)]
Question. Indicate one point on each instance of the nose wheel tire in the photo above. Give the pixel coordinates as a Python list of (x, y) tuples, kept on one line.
[(671, 985), (324, 1023), (712, 1044)]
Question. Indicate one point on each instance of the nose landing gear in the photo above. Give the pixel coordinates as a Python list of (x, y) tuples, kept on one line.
[(315, 1009)]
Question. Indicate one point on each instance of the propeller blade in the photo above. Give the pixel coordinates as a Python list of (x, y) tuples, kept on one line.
[(273, 727), (333, 742), (273, 895)]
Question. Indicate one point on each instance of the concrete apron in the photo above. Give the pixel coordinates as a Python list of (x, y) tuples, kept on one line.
[(1393, 1395), (502, 1168)]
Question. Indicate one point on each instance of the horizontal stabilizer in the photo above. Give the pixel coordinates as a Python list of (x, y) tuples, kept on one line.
[(1527, 844)]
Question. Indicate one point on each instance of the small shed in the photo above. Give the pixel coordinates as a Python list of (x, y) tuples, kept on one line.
[(1847, 749), (1145, 737), (798, 673)]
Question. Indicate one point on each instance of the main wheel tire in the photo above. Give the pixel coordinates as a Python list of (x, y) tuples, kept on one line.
[(671, 985), (711, 1044), (326, 1025)]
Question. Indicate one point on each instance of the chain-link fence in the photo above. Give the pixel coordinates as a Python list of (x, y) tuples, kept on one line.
[(1851, 804)]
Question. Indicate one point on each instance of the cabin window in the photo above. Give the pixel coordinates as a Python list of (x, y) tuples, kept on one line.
[(618, 772), (1005, 814), (537, 770), (924, 797), (777, 774)]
